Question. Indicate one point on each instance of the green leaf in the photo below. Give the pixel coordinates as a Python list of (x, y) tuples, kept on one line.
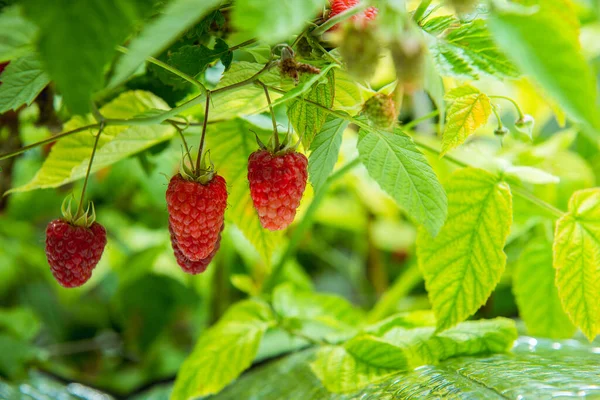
[(76, 41), (466, 49), (224, 351), (348, 94), (230, 144), (536, 293), (340, 372), (16, 34), (69, 158), (308, 119), (576, 259), (306, 85), (469, 110), (274, 21), (393, 160), (366, 359), (524, 36), (291, 302), (324, 151), (176, 18), (21, 322), (22, 80), (463, 264)]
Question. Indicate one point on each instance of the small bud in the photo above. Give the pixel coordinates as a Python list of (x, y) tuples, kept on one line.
[(408, 53), (501, 131), (360, 50), (525, 125)]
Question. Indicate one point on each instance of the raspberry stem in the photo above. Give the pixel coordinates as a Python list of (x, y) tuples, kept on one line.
[(87, 174), (275, 134), (514, 103), (201, 147)]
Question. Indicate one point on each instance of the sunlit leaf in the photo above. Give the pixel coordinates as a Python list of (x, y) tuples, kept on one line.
[(469, 109), (224, 351), (16, 34), (463, 264), (576, 259), (69, 158)]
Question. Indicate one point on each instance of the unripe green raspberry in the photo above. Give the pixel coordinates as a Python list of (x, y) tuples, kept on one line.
[(408, 53), (380, 110), (360, 49)]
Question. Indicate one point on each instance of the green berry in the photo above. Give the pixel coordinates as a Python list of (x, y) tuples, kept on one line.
[(380, 110)]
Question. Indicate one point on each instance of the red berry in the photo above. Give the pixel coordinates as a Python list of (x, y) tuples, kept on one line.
[(277, 183), (193, 267), (339, 6), (73, 251), (196, 214)]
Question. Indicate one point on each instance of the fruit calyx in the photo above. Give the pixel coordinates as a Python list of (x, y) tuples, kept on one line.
[(80, 218), (203, 175)]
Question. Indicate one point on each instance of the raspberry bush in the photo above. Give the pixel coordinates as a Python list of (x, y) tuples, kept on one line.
[(368, 185)]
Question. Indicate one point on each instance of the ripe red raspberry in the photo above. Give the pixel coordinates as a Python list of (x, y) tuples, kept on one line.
[(277, 183), (196, 214), (339, 6), (193, 267), (73, 251)]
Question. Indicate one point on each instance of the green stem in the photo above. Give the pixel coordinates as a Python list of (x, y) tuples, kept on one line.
[(305, 224), (524, 194), (169, 68), (327, 25), (87, 174), (325, 52), (500, 126), (46, 141), (514, 103), (410, 125), (275, 134), (401, 287), (203, 136), (180, 131), (421, 9)]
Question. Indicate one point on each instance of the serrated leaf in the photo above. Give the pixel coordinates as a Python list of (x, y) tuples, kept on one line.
[(463, 264), (230, 144), (366, 359), (576, 259), (274, 21), (305, 85), (324, 151), (393, 160), (177, 17), (308, 119), (69, 158), (469, 109), (524, 37), (22, 80), (76, 42), (536, 293), (466, 49), (224, 351), (16, 34)]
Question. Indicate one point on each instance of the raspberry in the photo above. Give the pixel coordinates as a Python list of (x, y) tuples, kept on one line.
[(380, 110), (339, 6), (196, 214), (73, 251), (193, 267), (277, 183)]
